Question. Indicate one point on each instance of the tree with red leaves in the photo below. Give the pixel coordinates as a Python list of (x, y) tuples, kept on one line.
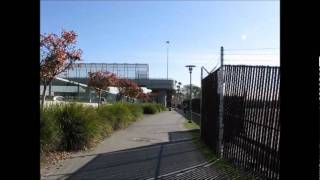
[(144, 97), (101, 81), (57, 54), (128, 88)]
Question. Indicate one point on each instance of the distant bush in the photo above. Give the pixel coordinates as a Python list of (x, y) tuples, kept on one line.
[(136, 110), (149, 108), (152, 108), (118, 115), (160, 107)]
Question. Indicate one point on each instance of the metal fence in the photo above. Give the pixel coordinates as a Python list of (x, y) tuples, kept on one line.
[(251, 109), (78, 92), (92, 97)]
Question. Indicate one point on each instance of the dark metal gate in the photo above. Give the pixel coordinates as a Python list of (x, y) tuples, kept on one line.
[(251, 124), (210, 110)]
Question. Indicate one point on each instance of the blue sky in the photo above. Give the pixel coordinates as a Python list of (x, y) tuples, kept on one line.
[(136, 31)]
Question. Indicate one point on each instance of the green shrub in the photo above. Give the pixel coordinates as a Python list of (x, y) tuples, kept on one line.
[(136, 110), (117, 114), (50, 132), (157, 107), (163, 108), (81, 125), (105, 115), (149, 108), (75, 127), (152, 108), (160, 107), (106, 129)]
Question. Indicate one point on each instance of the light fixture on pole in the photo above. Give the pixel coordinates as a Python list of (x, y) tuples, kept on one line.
[(167, 57), (190, 103)]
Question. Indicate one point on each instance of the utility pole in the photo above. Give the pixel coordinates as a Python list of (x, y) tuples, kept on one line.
[(201, 77), (220, 92), (221, 55), (167, 59)]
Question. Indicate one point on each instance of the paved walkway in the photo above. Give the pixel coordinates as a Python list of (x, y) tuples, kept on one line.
[(156, 147)]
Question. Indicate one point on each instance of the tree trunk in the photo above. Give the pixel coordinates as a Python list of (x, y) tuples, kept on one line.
[(43, 98), (99, 102)]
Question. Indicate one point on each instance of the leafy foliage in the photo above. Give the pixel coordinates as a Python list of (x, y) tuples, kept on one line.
[(101, 81), (128, 88), (50, 132), (195, 90), (144, 97), (118, 115), (80, 126), (57, 54)]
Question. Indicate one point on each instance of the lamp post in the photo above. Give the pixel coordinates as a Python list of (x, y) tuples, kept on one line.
[(190, 103), (179, 95)]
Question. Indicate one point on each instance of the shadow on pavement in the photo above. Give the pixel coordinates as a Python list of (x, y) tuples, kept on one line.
[(195, 117), (144, 162)]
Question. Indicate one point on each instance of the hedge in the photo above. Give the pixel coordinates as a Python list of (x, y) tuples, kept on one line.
[(70, 127)]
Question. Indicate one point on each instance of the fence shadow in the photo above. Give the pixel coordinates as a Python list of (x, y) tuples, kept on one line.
[(143, 162), (182, 135)]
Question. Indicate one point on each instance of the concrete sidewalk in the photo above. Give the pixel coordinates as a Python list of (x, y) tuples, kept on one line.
[(158, 146)]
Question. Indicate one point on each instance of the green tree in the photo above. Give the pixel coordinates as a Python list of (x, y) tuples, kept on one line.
[(195, 90)]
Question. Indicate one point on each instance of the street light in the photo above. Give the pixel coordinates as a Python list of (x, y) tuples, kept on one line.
[(179, 95), (190, 104), (167, 57)]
